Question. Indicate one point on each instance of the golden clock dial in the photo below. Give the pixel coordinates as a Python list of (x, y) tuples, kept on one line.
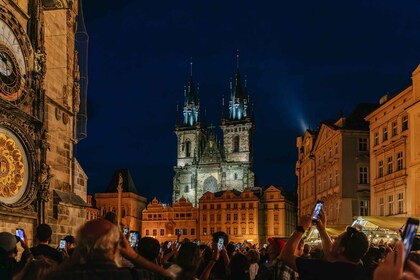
[(13, 167), (12, 65)]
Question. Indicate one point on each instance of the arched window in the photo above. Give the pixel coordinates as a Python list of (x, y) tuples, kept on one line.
[(187, 148), (235, 176), (187, 189), (236, 144)]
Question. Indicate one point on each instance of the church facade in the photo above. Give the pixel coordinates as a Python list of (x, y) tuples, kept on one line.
[(41, 109), (205, 164)]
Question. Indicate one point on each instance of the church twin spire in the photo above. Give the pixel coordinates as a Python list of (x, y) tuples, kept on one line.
[(237, 105), (191, 109)]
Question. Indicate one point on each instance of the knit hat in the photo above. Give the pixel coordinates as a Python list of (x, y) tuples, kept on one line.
[(7, 241)]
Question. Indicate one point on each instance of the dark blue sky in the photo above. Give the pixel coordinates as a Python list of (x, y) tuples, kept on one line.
[(305, 60)]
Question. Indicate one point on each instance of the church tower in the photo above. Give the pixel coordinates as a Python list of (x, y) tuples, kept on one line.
[(238, 129), (191, 140)]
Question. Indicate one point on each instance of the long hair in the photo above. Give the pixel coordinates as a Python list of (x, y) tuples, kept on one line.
[(188, 259)]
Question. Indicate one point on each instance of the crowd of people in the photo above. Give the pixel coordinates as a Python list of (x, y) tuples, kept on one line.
[(102, 251)]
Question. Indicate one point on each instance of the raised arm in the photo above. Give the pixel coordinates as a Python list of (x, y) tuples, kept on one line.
[(325, 238), (287, 254)]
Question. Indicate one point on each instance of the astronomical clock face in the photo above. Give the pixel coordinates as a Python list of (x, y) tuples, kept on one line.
[(13, 167), (12, 65)]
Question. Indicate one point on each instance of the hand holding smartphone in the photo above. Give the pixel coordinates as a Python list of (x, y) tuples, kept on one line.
[(409, 234), (62, 244), (317, 209), (20, 233), (220, 244)]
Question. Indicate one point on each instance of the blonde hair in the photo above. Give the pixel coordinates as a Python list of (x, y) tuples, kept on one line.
[(94, 247)]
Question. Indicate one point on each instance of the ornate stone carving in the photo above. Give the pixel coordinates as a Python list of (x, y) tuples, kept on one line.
[(44, 183)]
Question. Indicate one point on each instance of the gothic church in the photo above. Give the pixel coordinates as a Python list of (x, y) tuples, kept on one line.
[(203, 163)]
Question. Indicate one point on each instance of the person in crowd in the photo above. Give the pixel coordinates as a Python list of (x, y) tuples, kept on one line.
[(148, 248), (263, 256), (8, 252), (239, 267), (254, 258), (36, 269), (70, 244), (221, 266), (43, 236), (206, 258), (342, 258), (187, 261), (393, 266), (306, 251), (97, 256)]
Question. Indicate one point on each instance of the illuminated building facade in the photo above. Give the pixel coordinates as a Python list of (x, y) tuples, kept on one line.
[(132, 202), (204, 164), (253, 215), (43, 86), (163, 222), (395, 153), (92, 212), (333, 166)]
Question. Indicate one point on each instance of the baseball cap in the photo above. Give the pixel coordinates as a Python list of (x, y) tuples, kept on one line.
[(7, 241)]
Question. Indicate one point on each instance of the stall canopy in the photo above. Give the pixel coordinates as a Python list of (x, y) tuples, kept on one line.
[(381, 223)]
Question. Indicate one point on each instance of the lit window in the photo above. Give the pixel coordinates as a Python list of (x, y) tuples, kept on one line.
[(381, 206), (404, 123), (162, 232), (399, 161), (154, 232), (381, 168), (390, 205), (376, 138), (394, 128), (400, 203), (385, 133), (390, 168), (364, 208)]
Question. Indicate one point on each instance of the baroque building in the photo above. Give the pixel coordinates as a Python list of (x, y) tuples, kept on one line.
[(164, 222), (395, 153), (42, 108), (253, 215), (132, 203), (333, 166), (204, 164)]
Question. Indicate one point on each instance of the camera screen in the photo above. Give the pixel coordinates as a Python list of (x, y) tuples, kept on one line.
[(317, 209), (134, 237), (62, 244), (19, 232), (220, 244)]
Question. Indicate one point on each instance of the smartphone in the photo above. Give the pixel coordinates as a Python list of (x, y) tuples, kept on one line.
[(220, 243), (169, 244), (317, 210), (409, 234), (62, 244), (180, 231), (133, 238), (19, 232), (237, 246)]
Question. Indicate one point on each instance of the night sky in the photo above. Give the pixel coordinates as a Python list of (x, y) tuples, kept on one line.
[(304, 60)]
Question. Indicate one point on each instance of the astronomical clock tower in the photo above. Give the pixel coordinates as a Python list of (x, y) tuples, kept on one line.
[(42, 103)]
